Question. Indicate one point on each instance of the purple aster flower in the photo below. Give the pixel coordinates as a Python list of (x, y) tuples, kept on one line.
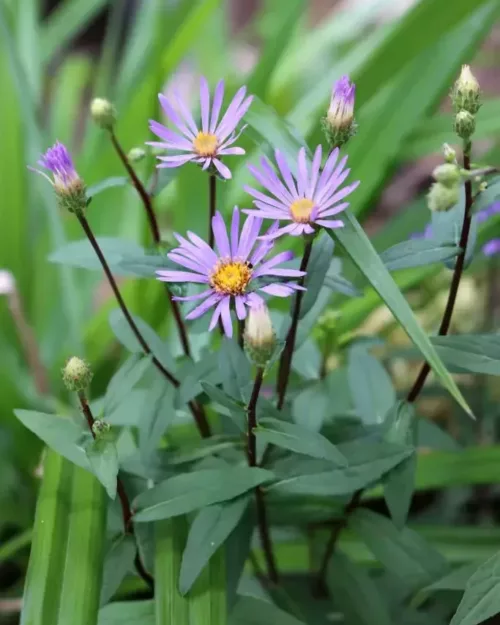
[(341, 111), (307, 200), (231, 275), (489, 211), (206, 144), (492, 247)]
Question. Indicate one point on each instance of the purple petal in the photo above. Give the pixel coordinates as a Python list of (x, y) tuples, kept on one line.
[(208, 252), (216, 315), (286, 173), (279, 290), (186, 114), (229, 151), (330, 223), (271, 182), (333, 211), (249, 234), (264, 247), (302, 177), (190, 249), (340, 195), (316, 164), (189, 263), (282, 257), (266, 199), (492, 247), (172, 138), (204, 103), (283, 273), (216, 105), (204, 306), (220, 235), (292, 229), (165, 275), (254, 300), (235, 230), (192, 298), (329, 190), (174, 161), (225, 314), (327, 170), (239, 304), (231, 117), (174, 118), (224, 171)]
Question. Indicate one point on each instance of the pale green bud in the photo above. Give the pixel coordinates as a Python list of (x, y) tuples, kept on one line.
[(466, 94), (447, 174), (76, 374), (100, 428), (136, 154), (450, 156), (465, 124), (441, 198), (103, 113), (260, 340)]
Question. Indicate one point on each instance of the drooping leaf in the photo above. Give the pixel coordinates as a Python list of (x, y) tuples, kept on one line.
[(107, 183), (417, 253), (157, 416), (319, 264), (298, 439), (479, 353), (455, 580), (235, 369), (190, 491), (209, 530), (103, 460), (81, 254), (119, 561)]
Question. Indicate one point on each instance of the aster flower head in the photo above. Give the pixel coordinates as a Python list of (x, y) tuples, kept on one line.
[(339, 123), (203, 143), (492, 248), (309, 199), (68, 185), (235, 274)]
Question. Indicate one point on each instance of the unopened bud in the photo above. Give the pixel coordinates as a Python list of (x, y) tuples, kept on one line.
[(465, 124), (447, 174), (136, 154), (466, 94), (103, 113), (483, 186), (7, 282), (76, 374), (441, 198), (100, 428), (450, 156), (260, 340), (339, 125)]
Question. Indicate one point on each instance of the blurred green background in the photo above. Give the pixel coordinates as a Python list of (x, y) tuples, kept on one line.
[(403, 57)]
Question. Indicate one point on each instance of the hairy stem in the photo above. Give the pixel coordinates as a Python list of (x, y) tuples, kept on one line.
[(287, 353), (122, 495), (262, 521), (196, 410), (147, 202)]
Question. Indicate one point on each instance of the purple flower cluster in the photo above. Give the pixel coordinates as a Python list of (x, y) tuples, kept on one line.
[(58, 161)]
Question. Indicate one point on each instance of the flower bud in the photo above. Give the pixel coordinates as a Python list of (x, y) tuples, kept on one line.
[(103, 113), (465, 124), (450, 156), (260, 340), (339, 125), (466, 94), (447, 174), (7, 282), (136, 154), (76, 374), (100, 428), (442, 198)]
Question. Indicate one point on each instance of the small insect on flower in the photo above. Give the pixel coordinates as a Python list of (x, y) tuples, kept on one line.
[(68, 185), (235, 274), (203, 143), (308, 199)]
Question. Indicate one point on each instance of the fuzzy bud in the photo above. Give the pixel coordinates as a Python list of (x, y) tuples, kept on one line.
[(447, 174), (136, 154), (465, 124), (339, 125), (441, 198), (103, 113), (466, 94), (100, 428), (76, 374), (450, 156), (260, 340)]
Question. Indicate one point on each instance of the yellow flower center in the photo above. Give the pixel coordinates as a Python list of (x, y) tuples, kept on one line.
[(230, 277), (205, 144), (301, 210)]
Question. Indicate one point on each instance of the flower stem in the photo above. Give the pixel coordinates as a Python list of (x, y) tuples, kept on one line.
[(455, 281), (155, 232), (287, 353), (212, 194), (196, 410), (120, 489), (262, 522)]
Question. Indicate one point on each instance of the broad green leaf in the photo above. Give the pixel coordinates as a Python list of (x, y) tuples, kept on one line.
[(403, 552), (455, 580), (319, 264), (371, 387), (118, 562), (157, 415), (193, 373), (479, 353), (107, 183), (481, 598), (367, 462), (358, 247), (222, 398), (80, 254), (235, 370), (298, 439), (355, 593), (447, 228), (340, 285), (237, 549), (128, 613), (207, 447), (103, 460), (190, 491), (417, 252), (254, 611), (209, 530)]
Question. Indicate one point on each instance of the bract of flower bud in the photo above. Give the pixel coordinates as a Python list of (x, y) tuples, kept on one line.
[(465, 124), (450, 156), (136, 154), (100, 428), (447, 174), (466, 94), (103, 113), (260, 339), (339, 125), (441, 198), (76, 375)]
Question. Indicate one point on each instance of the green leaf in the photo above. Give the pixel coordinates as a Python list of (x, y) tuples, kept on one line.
[(339, 284), (371, 387), (455, 580), (358, 247), (222, 398), (253, 611), (235, 369), (192, 373), (479, 353), (417, 253), (319, 264), (298, 439), (124, 380), (402, 552), (103, 460), (107, 183), (481, 598), (156, 417), (355, 593), (119, 561), (447, 228), (190, 491), (128, 613), (61, 434), (81, 254), (367, 462), (209, 530)]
